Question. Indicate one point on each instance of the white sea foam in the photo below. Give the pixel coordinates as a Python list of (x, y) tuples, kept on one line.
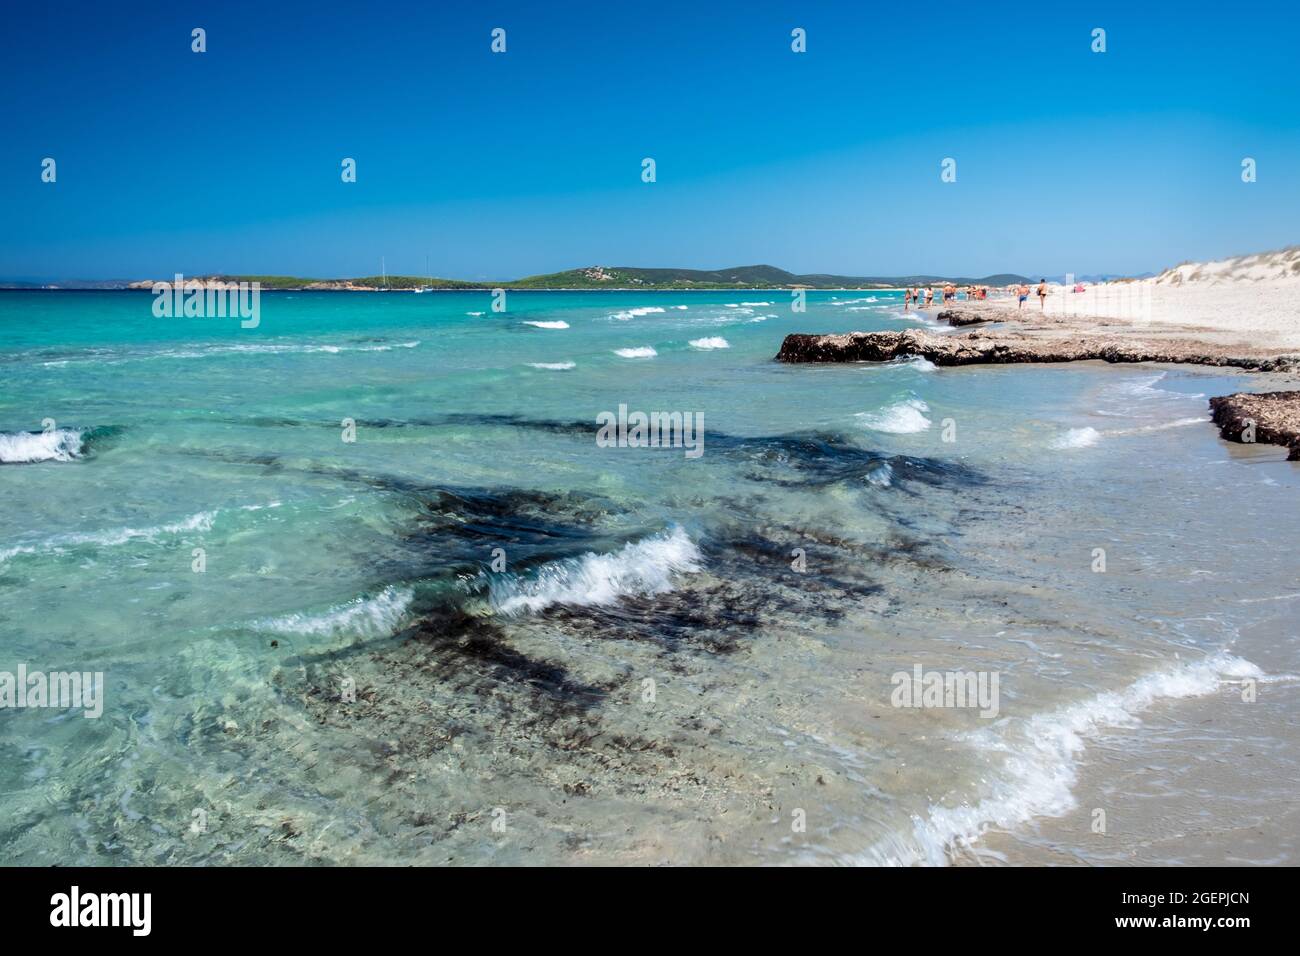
[(881, 475), (1038, 759), (1159, 426), (209, 351), (1139, 386), (553, 366), (272, 349), (712, 342), (362, 617), (1086, 437), (1077, 438), (557, 324), (639, 569), (901, 418), (644, 351), (60, 543), (755, 303), (377, 616), (634, 313), (58, 444), (475, 313), (917, 363), (682, 307)]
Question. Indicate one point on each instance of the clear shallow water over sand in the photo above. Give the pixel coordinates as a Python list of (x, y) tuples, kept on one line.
[(520, 697)]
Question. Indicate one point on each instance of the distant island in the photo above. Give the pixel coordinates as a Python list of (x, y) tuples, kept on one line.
[(593, 277)]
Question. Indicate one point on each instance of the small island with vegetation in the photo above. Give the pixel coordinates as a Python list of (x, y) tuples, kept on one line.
[(590, 278)]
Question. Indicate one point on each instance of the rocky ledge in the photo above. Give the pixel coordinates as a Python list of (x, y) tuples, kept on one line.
[(1010, 347), (1272, 418), (967, 317)]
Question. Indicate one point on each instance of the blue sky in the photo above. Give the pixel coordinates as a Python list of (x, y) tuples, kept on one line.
[(503, 165)]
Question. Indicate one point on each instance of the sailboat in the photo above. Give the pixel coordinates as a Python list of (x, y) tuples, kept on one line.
[(429, 287)]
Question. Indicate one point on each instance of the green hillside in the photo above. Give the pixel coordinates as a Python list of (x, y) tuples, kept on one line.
[(624, 277)]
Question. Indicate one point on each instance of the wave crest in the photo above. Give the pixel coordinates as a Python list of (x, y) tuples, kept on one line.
[(58, 444), (377, 616), (638, 569), (901, 418), (1041, 758)]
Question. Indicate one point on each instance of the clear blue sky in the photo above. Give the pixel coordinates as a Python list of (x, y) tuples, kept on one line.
[(497, 166)]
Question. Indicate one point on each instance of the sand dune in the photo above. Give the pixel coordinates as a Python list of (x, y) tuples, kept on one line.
[(1281, 265)]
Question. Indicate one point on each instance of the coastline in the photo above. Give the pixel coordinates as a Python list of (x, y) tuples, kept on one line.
[(1156, 324), (527, 695)]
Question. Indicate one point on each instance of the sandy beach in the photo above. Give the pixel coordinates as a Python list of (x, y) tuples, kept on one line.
[(1247, 300)]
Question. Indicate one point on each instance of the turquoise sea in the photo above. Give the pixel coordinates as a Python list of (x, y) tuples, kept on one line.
[(363, 588)]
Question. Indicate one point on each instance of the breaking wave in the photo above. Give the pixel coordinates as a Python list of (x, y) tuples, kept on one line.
[(1040, 756), (634, 313), (58, 444), (640, 568), (377, 616), (901, 418)]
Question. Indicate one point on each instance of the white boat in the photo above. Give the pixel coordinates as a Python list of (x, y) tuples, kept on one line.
[(429, 287)]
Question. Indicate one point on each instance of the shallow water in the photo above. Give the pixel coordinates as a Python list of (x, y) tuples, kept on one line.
[(472, 635)]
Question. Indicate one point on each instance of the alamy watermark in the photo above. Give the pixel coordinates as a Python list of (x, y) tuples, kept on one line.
[(653, 430), (923, 688), (75, 908), (209, 299), (1117, 299), (56, 690)]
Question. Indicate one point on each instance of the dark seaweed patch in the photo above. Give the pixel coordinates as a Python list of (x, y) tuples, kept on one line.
[(472, 652)]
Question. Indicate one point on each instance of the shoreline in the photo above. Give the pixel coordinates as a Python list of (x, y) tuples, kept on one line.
[(1004, 335)]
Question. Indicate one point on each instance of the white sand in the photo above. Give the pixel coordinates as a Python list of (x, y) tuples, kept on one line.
[(1249, 299)]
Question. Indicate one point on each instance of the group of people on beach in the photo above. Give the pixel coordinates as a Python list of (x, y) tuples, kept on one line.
[(977, 293), (1022, 292), (925, 296), (916, 295)]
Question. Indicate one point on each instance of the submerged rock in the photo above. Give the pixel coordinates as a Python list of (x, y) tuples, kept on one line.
[(1269, 417), (1012, 347)]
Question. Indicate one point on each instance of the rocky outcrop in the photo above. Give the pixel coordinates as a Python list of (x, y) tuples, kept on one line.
[(1272, 418), (966, 317), (1011, 347)]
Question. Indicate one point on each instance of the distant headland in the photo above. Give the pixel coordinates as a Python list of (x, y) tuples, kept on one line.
[(592, 277)]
